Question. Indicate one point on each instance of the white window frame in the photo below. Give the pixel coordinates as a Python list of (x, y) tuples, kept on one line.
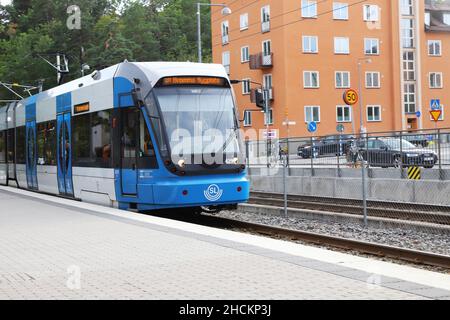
[(446, 18), (309, 110), (371, 41), (338, 47), (344, 107), (309, 74), (225, 29), (310, 40), (340, 11), (268, 117), (371, 13), (248, 118), (246, 86), (373, 107), (226, 65), (407, 7), (372, 73), (243, 21), (343, 86), (265, 18), (441, 78), (433, 53), (309, 9), (245, 59), (264, 46)]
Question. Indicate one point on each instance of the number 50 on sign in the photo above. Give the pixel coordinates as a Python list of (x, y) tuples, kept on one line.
[(351, 97)]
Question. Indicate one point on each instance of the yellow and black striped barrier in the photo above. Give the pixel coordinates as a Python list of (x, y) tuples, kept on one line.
[(414, 173)]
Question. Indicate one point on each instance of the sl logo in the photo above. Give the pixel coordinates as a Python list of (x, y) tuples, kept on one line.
[(213, 193)]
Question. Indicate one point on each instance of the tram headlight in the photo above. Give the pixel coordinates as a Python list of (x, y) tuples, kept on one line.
[(182, 163), (235, 160)]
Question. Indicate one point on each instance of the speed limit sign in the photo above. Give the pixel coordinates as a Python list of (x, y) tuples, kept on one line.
[(351, 97)]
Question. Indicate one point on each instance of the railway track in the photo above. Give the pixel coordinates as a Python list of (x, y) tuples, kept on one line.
[(399, 211), (380, 250)]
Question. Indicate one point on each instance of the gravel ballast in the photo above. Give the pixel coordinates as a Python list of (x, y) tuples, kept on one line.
[(398, 237)]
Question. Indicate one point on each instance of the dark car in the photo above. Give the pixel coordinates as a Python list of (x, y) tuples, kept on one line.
[(394, 152), (417, 140), (327, 146)]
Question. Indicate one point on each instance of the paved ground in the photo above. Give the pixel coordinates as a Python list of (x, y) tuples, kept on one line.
[(50, 251)]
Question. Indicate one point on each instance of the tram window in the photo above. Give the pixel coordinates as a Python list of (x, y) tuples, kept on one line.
[(2, 147), (81, 140), (101, 138), (155, 119), (10, 145), (91, 140), (129, 137), (146, 144), (46, 143), (20, 148)]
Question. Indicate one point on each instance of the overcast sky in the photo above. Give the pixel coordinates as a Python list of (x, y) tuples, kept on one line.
[(5, 2)]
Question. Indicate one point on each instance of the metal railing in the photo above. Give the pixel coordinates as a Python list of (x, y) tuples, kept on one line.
[(427, 149)]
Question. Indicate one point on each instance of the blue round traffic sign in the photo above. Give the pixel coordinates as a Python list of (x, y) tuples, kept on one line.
[(418, 114), (312, 127)]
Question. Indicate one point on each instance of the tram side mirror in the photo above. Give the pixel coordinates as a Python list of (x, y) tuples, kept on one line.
[(137, 97)]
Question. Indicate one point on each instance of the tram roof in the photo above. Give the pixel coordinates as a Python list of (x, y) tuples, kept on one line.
[(152, 70)]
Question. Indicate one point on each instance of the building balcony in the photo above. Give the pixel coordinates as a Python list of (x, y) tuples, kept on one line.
[(261, 61), (225, 39), (265, 26)]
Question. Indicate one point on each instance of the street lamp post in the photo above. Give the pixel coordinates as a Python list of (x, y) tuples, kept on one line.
[(225, 11), (361, 129)]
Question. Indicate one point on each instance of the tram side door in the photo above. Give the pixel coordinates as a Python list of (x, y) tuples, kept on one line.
[(64, 154), (31, 156), (129, 133)]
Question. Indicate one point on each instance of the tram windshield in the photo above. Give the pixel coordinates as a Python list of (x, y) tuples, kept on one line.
[(199, 120)]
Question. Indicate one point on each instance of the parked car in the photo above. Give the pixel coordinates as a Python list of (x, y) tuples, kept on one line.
[(417, 140), (394, 152), (327, 146)]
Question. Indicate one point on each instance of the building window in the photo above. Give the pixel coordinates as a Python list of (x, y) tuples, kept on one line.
[(407, 7), (373, 80), (247, 118), (225, 32), (340, 11), (265, 19), (311, 79), (407, 31), (245, 54), (344, 114), (341, 45), (226, 61), (371, 46), (309, 9), (371, 13), (427, 19), (373, 113), (435, 80), (312, 113), (246, 86), (409, 69), (244, 21), (267, 83), (342, 79), (268, 118), (446, 18), (267, 48), (409, 98), (310, 44), (434, 48)]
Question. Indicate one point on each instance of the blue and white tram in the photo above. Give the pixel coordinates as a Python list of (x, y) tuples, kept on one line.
[(137, 136)]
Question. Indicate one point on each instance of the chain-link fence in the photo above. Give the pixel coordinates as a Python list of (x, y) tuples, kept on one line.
[(390, 186)]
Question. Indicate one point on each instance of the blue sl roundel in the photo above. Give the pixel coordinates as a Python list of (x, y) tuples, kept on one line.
[(213, 193)]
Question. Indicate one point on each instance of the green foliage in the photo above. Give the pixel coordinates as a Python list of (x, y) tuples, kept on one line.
[(111, 31)]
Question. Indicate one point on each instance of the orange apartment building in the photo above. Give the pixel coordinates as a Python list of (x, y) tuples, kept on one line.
[(307, 53)]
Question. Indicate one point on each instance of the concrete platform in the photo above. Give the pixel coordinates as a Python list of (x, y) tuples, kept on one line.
[(52, 248)]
